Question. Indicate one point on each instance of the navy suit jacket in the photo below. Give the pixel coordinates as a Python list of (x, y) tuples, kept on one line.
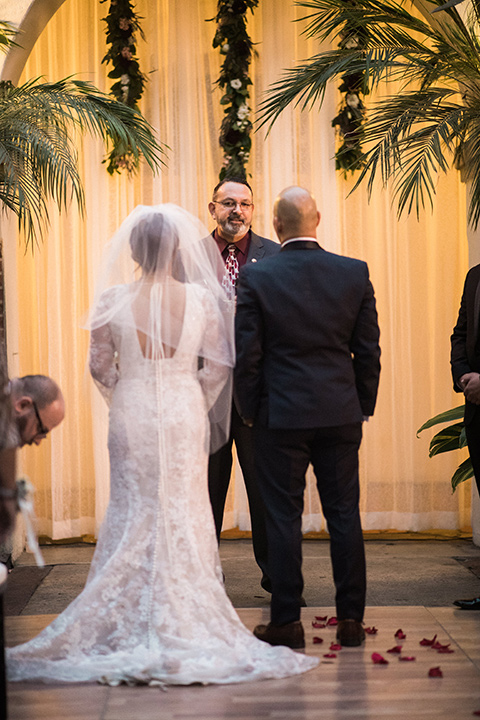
[(307, 339)]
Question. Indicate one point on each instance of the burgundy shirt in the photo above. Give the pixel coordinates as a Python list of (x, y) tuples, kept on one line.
[(242, 245)]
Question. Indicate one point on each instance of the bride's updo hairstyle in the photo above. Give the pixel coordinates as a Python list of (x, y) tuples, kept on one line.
[(154, 242)]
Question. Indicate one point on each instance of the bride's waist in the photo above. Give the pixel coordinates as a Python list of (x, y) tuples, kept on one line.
[(157, 374)]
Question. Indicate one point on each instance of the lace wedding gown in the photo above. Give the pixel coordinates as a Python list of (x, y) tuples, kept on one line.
[(154, 609)]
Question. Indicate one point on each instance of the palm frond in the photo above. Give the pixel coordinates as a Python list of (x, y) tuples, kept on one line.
[(431, 123), (38, 157)]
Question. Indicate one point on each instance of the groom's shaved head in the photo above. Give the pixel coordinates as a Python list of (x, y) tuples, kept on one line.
[(295, 214)]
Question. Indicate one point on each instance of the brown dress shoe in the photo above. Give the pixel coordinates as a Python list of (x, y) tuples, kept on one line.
[(291, 634), (350, 633)]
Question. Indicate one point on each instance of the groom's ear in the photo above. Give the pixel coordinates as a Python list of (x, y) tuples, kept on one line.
[(211, 209), (277, 226)]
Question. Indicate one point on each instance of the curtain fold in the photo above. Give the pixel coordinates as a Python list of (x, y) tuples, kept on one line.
[(417, 268)]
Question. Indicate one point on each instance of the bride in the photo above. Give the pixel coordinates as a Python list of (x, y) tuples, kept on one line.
[(154, 609)]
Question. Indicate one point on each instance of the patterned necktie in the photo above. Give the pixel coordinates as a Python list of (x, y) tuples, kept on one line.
[(231, 271)]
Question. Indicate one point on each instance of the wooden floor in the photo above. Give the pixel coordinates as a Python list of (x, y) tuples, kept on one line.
[(347, 686)]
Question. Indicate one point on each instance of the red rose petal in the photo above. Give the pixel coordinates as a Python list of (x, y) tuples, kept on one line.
[(400, 634), (317, 640), (332, 621), (379, 659), (318, 625), (321, 618), (407, 658), (397, 649), (371, 630), (435, 672), (335, 646), (428, 643), (330, 655), (437, 645), (476, 712), (444, 650)]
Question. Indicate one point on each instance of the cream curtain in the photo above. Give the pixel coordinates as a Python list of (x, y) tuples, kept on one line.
[(417, 267)]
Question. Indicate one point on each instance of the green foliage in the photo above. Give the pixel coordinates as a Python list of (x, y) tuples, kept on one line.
[(448, 439), (7, 33), (235, 44), (122, 22), (38, 158), (432, 123)]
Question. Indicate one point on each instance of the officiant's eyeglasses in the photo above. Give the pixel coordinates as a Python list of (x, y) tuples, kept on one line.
[(232, 204), (42, 430)]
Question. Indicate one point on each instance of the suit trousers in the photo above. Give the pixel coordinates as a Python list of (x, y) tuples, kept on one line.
[(219, 472), (472, 431), (281, 459)]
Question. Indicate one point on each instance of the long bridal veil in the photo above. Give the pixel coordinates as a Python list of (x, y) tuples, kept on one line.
[(155, 254)]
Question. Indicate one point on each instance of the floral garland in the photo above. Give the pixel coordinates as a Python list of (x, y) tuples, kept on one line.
[(122, 23), (235, 44), (350, 119)]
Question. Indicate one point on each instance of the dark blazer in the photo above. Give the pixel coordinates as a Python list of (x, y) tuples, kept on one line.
[(260, 247), (465, 355), (307, 339)]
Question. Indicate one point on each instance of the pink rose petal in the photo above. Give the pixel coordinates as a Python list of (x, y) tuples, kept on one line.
[(330, 655), (317, 640), (395, 650), (428, 643), (371, 630), (321, 618), (400, 634), (435, 672), (332, 621), (318, 625), (335, 646), (379, 659), (407, 658)]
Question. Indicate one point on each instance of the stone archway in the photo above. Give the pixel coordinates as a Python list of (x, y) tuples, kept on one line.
[(31, 17)]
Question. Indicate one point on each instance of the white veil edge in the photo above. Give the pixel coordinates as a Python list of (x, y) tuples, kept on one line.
[(157, 250)]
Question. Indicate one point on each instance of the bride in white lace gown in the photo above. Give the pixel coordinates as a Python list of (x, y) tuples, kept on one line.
[(154, 609)]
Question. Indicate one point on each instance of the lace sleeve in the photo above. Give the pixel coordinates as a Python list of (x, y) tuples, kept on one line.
[(213, 374), (216, 374), (103, 357)]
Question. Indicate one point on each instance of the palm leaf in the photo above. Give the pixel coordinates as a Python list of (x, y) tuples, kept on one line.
[(38, 157), (462, 473), (447, 416), (450, 438), (431, 123)]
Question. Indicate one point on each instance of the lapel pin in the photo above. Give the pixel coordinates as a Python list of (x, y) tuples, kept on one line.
[(254, 259)]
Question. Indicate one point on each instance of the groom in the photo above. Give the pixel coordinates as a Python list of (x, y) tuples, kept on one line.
[(306, 375)]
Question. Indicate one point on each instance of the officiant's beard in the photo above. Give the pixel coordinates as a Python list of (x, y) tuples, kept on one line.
[(234, 225)]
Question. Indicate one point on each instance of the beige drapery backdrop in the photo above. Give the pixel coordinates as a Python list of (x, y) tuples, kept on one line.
[(417, 267)]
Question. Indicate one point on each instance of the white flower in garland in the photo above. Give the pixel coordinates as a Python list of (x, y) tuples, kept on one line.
[(352, 100), (236, 84), (243, 112)]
